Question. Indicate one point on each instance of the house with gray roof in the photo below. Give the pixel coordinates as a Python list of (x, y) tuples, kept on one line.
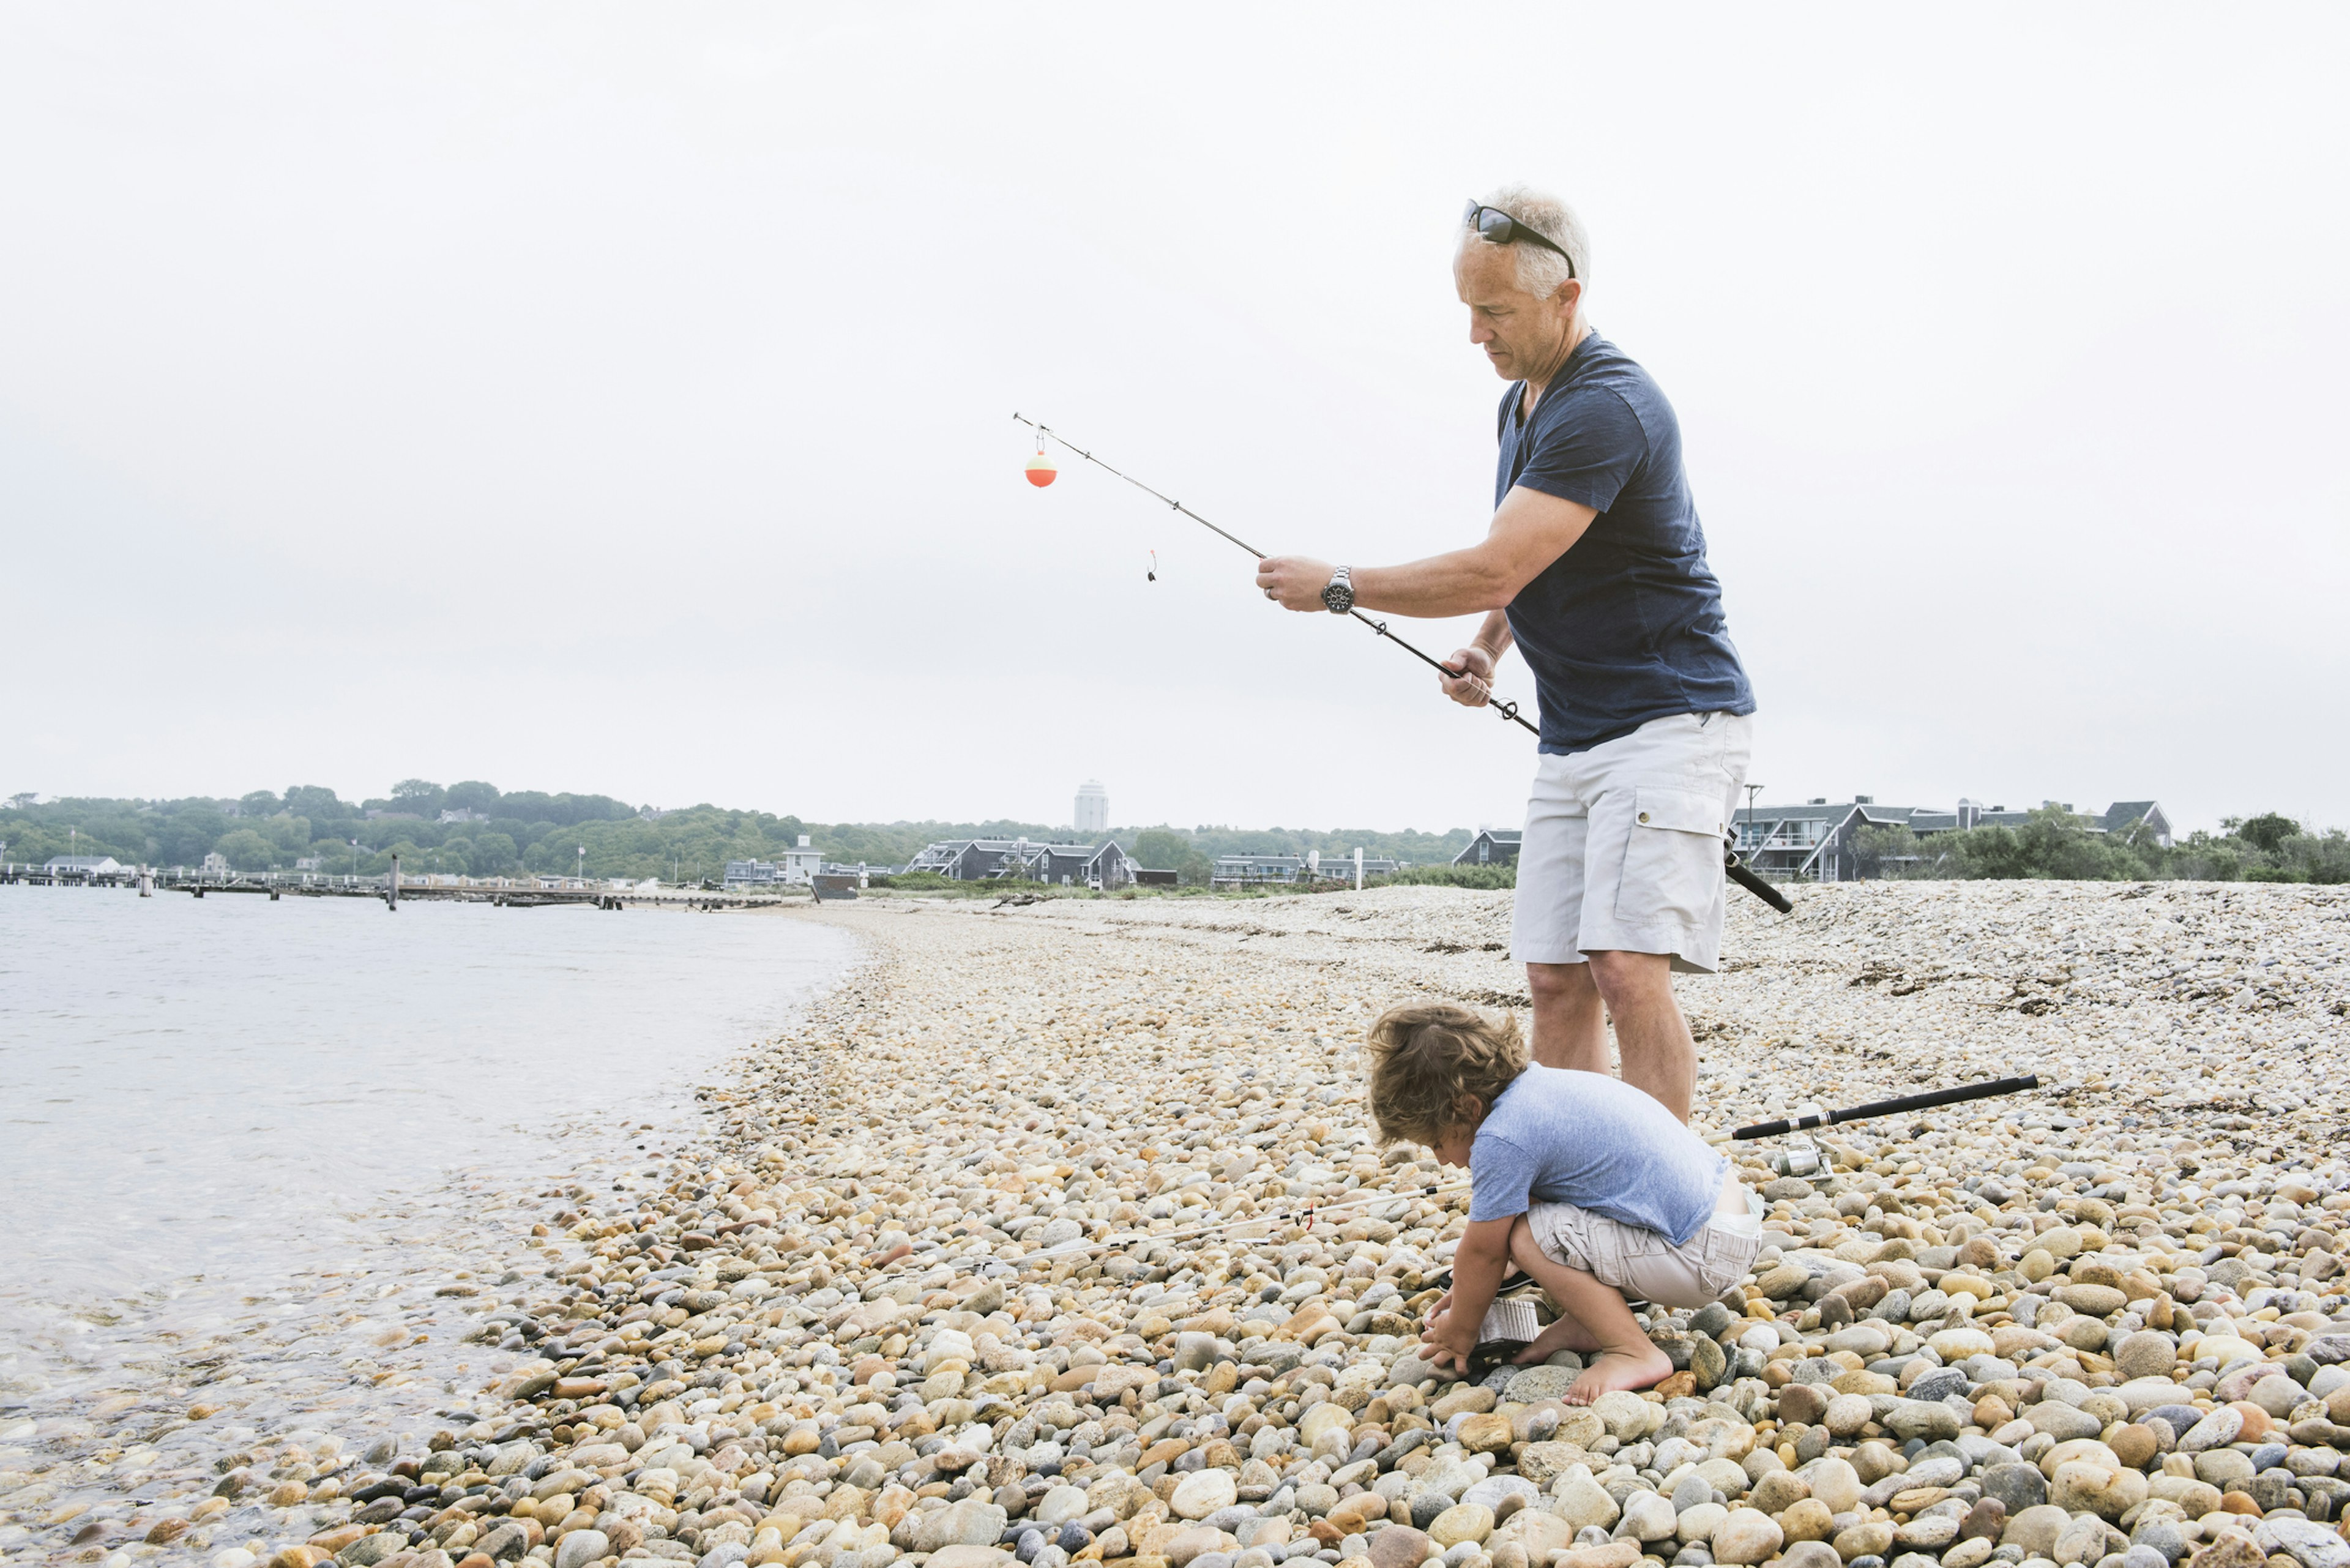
[(1281, 870), (1105, 865), (1491, 846), (2135, 819), (1818, 841)]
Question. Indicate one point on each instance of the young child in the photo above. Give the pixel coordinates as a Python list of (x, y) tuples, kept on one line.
[(1594, 1190)]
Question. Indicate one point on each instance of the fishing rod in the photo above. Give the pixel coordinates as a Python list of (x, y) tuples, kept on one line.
[(1731, 864), (1508, 711), (1814, 1117)]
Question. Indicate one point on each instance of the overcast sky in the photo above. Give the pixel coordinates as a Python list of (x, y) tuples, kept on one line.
[(617, 397)]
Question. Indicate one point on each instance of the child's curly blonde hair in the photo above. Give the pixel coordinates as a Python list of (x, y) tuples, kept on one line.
[(1428, 1060)]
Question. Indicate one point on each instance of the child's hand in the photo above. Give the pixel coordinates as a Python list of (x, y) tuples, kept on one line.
[(1452, 1337)]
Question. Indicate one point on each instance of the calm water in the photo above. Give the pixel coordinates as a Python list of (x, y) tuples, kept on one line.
[(209, 1108)]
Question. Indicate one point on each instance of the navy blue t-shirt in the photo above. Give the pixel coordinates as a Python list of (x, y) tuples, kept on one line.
[(1626, 625)]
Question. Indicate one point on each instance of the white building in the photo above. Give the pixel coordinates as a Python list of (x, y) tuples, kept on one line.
[(797, 867), (82, 864), (802, 864), (1092, 807)]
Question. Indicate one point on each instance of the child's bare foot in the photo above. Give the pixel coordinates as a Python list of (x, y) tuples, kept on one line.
[(1565, 1334), (1626, 1369)]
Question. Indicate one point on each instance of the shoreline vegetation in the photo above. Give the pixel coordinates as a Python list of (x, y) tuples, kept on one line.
[(504, 833), (1001, 1254), (497, 833)]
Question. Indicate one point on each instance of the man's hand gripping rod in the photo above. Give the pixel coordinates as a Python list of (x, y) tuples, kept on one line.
[(1731, 864)]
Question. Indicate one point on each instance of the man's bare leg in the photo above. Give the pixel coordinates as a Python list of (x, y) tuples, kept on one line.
[(1651, 1035), (1570, 1029), (1627, 1359)]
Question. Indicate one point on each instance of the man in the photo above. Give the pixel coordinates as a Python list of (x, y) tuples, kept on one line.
[(1595, 568)]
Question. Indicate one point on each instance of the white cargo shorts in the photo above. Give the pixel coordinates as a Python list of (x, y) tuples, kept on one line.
[(1623, 845), (1644, 1265)]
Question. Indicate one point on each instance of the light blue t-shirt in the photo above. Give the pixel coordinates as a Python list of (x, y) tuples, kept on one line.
[(1586, 1138)]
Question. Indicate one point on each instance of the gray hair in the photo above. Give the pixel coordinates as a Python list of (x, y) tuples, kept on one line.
[(1540, 271)]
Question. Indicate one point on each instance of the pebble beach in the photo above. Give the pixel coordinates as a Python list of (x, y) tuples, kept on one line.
[(1058, 1234)]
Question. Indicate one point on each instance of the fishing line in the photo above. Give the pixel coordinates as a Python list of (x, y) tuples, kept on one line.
[(1041, 473), (1508, 711)]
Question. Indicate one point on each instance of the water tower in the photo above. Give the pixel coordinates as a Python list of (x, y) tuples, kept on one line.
[(1092, 807)]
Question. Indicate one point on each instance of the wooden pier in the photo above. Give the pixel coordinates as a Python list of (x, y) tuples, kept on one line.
[(390, 890)]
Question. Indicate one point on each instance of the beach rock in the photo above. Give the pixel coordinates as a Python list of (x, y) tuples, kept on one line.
[(2277, 1395), (1613, 1554), (1871, 1539), (2036, 1529), (1648, 1516), (1399, 1546), (581, 1547), (1543, 1463), (2082, 1540), (2160, 1536), (956, 1556), (1986, 1521), (1485, 1434), (1746, 1535), (1696, 1524), (1834, 1482), (1806, 1519), (2107, 1491), (1495, 1492), (1926, 1532), (1538, 1533), (2145, 1354), (2212, 1431), (1203, 1492), (1531, 1384), (1775, 1491), (2231, 1549), (1802, 1404), (1916, 1420), (1462, 1521), (1584, 1503), (2310, 1545), (1183, 1547), (2136, 1445), (1846, 1414), (2062, 1421), (969, 1522)]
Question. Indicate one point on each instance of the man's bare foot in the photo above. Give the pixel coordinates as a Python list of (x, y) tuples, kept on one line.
[(1565, 1334), (1626, 1369)]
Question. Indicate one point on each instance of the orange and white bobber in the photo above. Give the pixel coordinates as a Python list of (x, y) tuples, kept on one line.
[(1040, 469)]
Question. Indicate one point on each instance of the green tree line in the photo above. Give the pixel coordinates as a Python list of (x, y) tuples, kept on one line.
[(2055, 844), (510, 833)]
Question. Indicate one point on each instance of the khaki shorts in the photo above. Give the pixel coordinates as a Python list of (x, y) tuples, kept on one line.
[(1623, 845), (1643, 1264)]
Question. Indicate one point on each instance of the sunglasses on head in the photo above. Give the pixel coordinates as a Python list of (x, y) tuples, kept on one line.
[(1503, 229)]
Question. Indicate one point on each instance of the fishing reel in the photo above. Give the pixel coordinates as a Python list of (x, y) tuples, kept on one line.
[(1799, 1156), (1799, 1159)]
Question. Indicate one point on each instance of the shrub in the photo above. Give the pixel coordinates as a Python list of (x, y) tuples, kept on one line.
[(1471, 876), (912, 881)]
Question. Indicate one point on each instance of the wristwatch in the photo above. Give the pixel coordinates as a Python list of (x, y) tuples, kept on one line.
[(1339, 597)]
